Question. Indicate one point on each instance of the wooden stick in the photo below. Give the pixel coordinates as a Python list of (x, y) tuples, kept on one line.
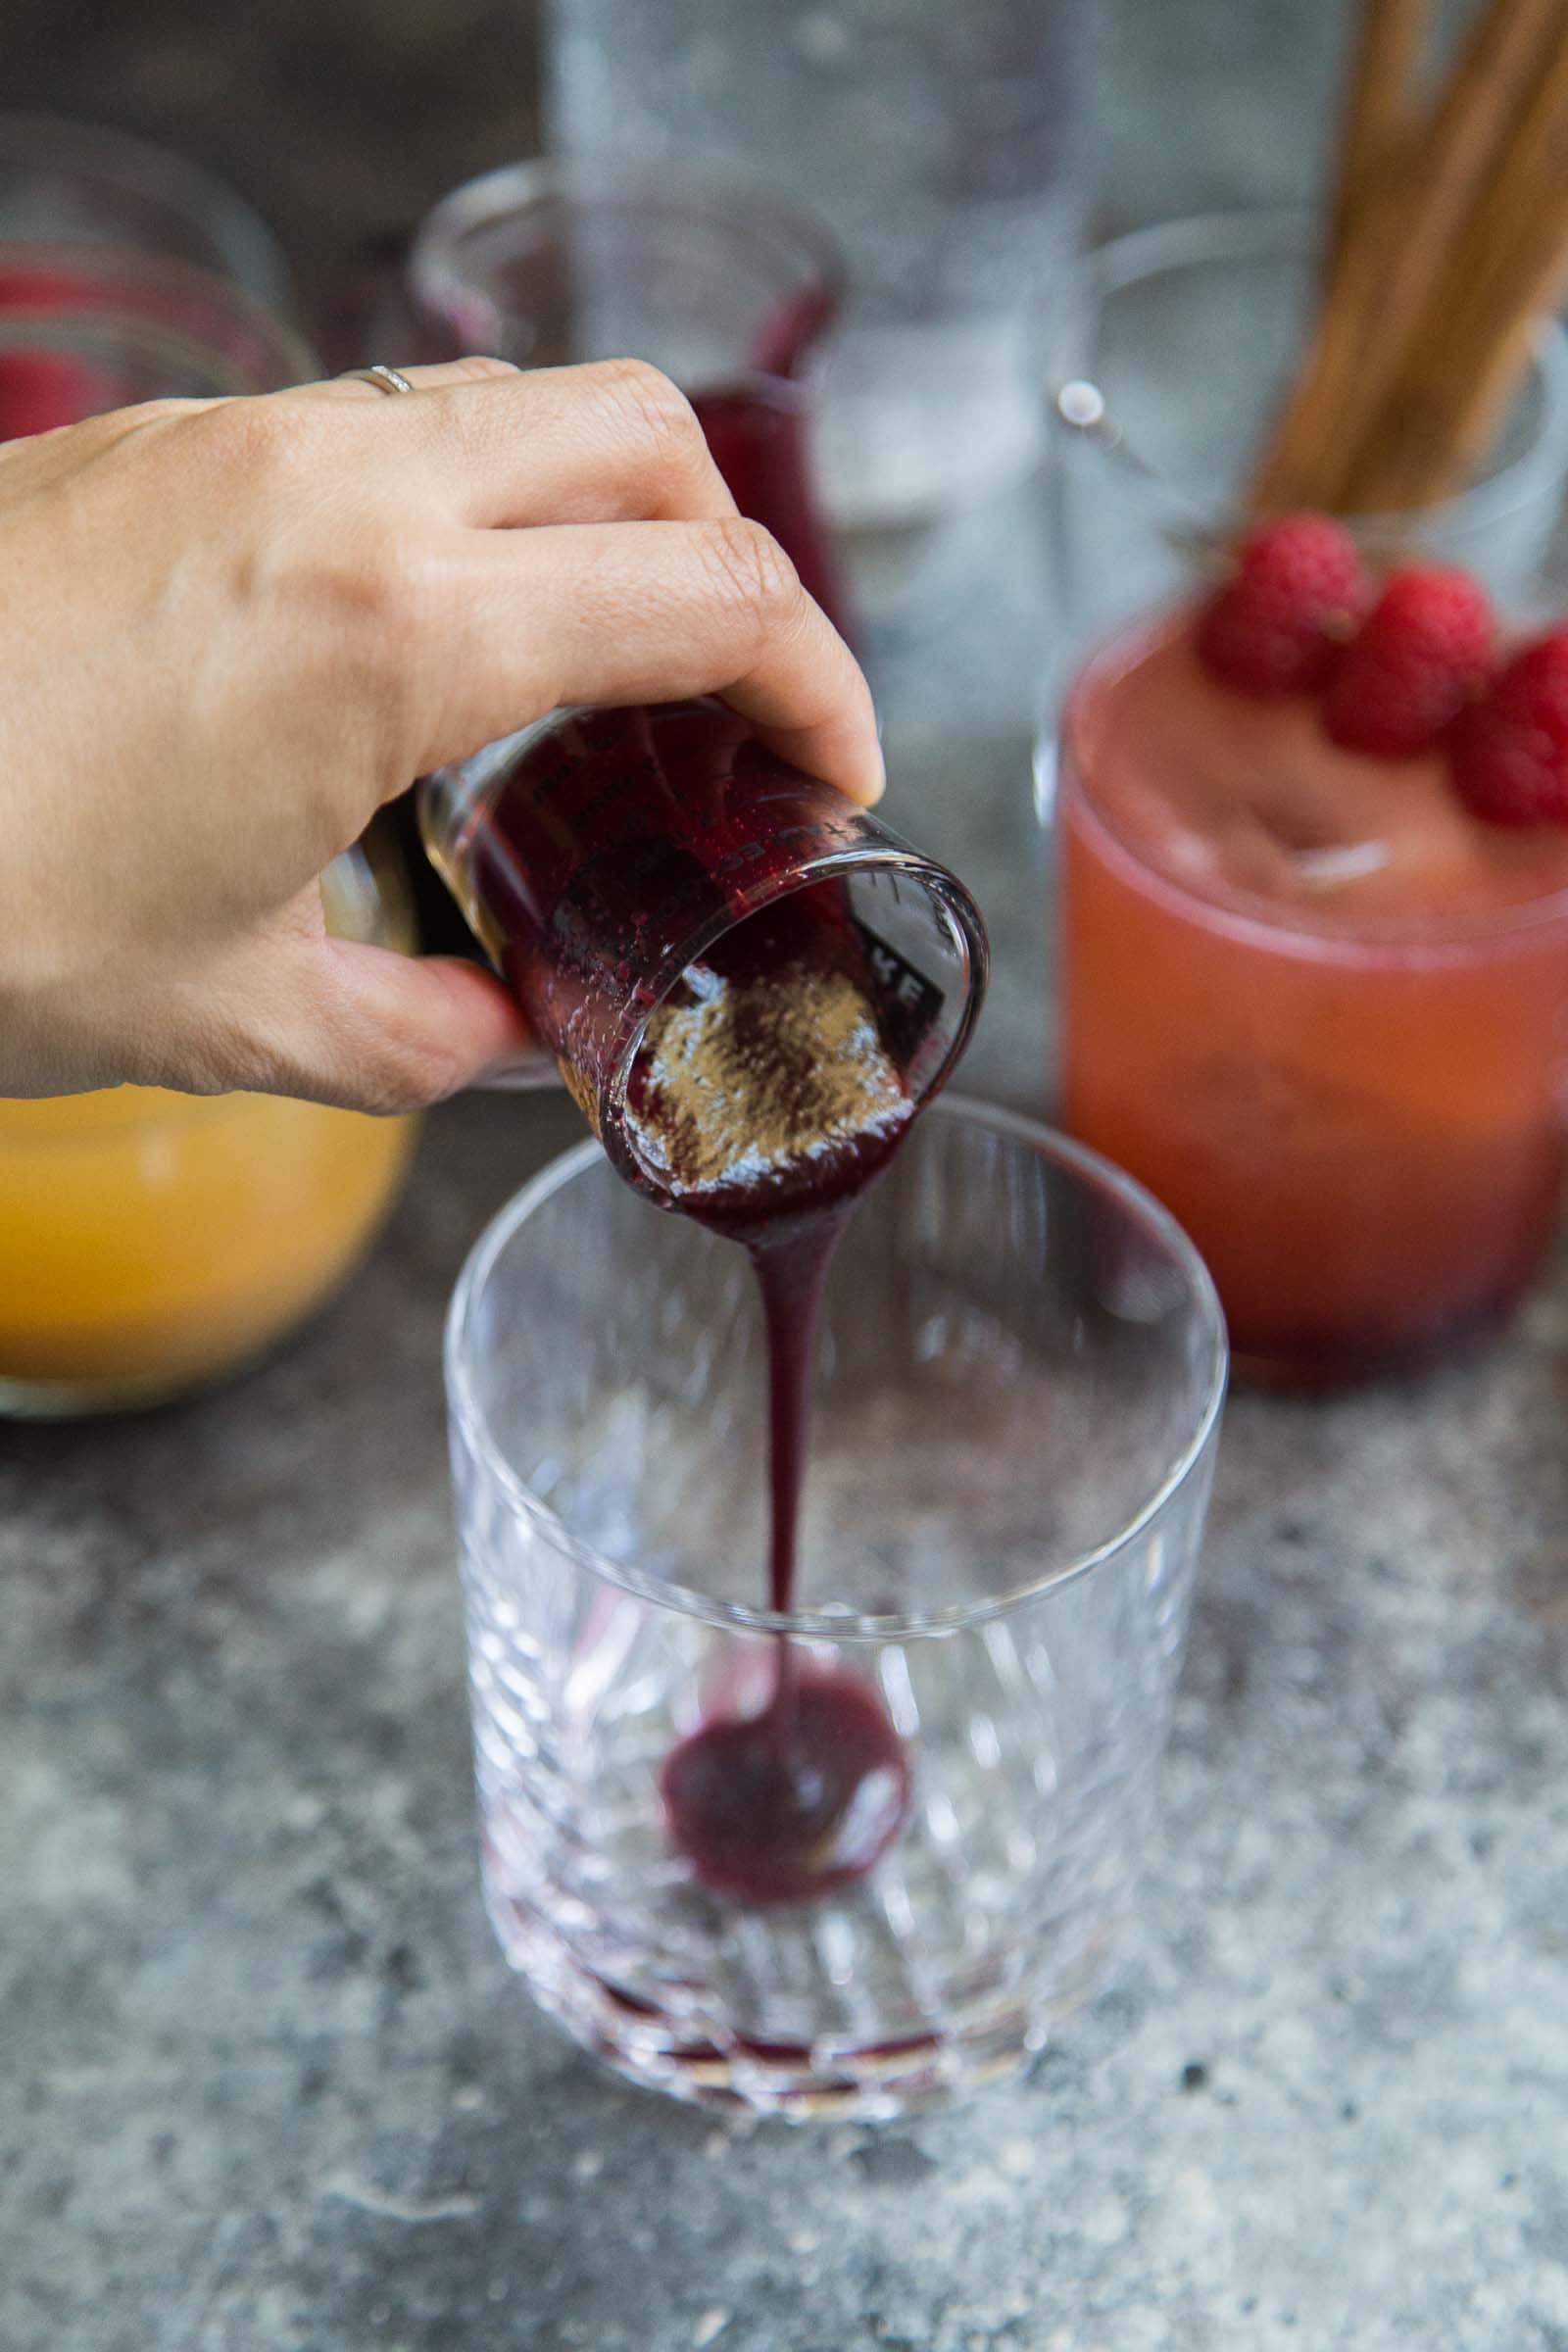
[(1431, 453), (1468, 350), (1390, 43), (1395, 254)]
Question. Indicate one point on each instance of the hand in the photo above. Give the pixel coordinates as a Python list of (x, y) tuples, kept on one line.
[(233, 629)]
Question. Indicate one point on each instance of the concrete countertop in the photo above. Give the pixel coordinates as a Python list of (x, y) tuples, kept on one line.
[(263, 2079)]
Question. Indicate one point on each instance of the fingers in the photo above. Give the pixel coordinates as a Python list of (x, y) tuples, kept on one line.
[(293, 1011), (633, 615), (386, 1031), (644, 612), (494, 447)]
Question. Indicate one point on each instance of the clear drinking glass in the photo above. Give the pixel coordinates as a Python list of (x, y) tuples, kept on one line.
[(1018, 1392), (1175, 349), (1304, 997), (72, 183)]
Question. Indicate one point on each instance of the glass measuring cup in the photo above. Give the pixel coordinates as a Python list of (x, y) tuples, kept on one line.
[(600, 855)]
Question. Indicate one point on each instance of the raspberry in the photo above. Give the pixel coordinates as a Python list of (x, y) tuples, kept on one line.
[(1271, 631), (1509, 753), (1420, 654)]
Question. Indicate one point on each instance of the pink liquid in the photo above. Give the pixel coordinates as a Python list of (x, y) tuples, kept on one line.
[(1316, 1007), (42, 389), (61, 283)]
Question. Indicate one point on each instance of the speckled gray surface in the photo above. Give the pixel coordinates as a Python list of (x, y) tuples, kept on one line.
[(263, 2082)]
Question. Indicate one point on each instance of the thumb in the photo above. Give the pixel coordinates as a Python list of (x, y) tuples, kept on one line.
[(369, 1029)]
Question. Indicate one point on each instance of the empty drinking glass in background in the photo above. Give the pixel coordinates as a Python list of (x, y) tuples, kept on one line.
[(945, 146), (1018, 1392), (70, 183)]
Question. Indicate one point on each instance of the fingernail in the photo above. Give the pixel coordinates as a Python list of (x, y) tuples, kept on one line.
[(518, 1073), (878, 772)]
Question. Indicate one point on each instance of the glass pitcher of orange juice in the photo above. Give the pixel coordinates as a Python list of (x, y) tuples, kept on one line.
[(151, 1241)]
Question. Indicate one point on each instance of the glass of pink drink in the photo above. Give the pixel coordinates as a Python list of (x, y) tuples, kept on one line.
[(87, 327), (1319, 1008)]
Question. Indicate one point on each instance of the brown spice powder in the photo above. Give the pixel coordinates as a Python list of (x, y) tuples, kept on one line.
[(747, 1078)]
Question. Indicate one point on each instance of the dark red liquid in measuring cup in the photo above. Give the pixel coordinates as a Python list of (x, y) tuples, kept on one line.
[(613, 836)]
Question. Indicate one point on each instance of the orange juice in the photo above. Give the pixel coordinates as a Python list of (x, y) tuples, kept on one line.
[(150, 1241), (1315, 1007)]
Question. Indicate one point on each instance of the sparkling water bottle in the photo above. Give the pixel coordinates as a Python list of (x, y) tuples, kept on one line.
[(942, 139)]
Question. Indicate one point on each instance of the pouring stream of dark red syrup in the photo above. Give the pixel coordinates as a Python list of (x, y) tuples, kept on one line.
[(803, 1797), (617, 836)]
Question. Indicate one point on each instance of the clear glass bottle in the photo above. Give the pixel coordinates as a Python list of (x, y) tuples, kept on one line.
[(944, 145)]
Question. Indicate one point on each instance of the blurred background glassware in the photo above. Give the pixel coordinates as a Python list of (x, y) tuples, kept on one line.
[(1018, 1394), (945, 145), (698, 271), (152, 1240), (68, 182), (89, 327), (1349, 1082), (1173, 352)]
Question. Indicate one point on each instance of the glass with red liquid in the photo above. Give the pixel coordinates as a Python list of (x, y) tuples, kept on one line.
[(694, 269), (608, 859), (90, 327), (1306, 997), (1017, 1391)]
